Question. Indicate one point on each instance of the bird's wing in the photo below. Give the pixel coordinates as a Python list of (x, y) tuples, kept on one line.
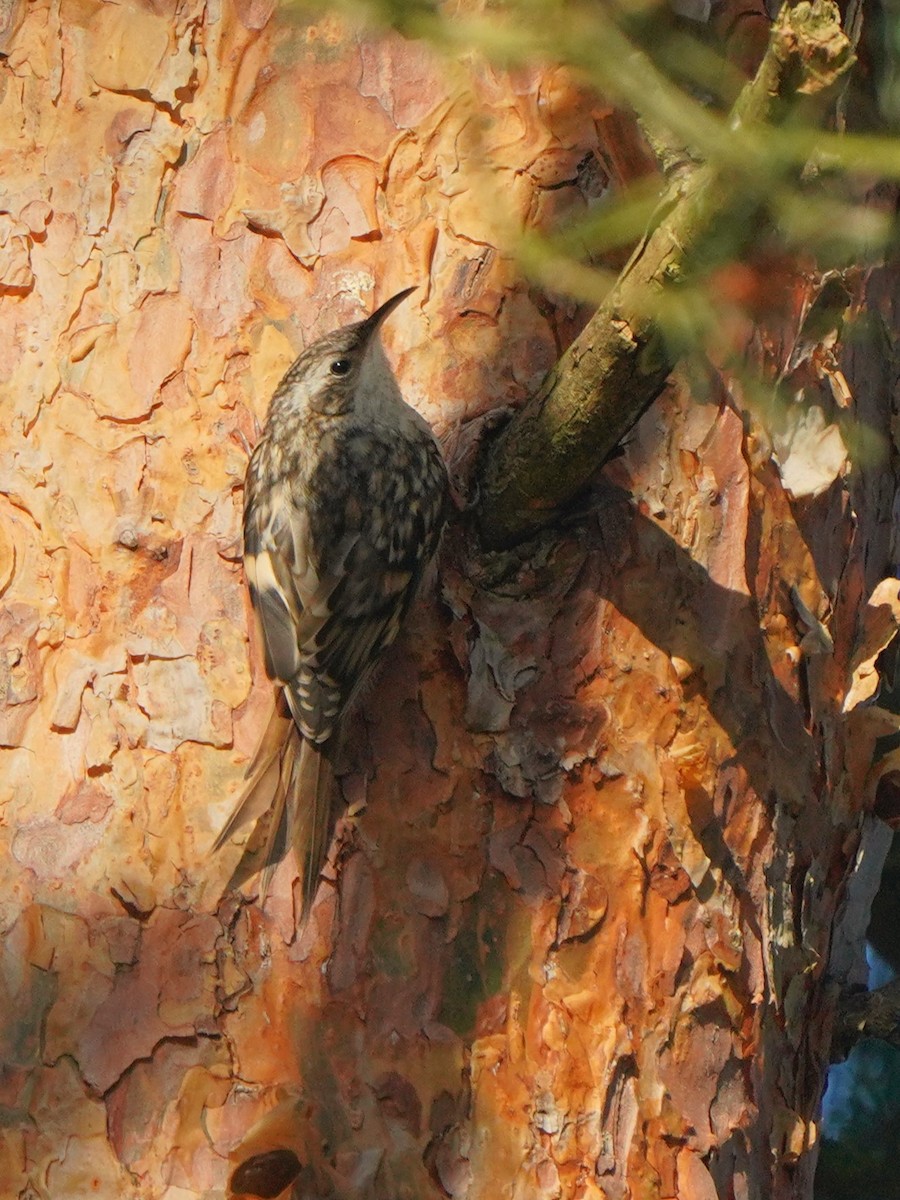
[(382, 530), (331, 585), (291, 597), (284, 585)]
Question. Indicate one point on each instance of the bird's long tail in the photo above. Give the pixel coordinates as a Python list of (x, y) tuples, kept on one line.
[(289, 780), (312, 823)]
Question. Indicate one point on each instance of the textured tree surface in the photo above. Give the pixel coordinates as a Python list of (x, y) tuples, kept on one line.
[(584, 933)]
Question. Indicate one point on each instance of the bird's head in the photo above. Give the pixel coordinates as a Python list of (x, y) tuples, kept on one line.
[(341, 367)]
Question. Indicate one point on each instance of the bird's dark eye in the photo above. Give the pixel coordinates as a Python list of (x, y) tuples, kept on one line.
[(340, 366)]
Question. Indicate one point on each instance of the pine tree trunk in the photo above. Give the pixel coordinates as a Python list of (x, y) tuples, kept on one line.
[(585, 935)]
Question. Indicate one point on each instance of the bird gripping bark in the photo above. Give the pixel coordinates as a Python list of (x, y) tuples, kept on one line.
[(345, 499)]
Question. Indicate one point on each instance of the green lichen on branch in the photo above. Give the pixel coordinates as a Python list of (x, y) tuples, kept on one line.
[(619, 364)]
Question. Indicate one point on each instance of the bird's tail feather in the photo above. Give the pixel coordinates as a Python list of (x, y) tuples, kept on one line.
[(314, 824), (263, 775), (290, 781)]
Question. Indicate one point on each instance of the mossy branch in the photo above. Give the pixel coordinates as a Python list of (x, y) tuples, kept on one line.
[(619, 364)]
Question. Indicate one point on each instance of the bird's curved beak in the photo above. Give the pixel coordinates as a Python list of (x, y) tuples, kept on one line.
[(370, 324)]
